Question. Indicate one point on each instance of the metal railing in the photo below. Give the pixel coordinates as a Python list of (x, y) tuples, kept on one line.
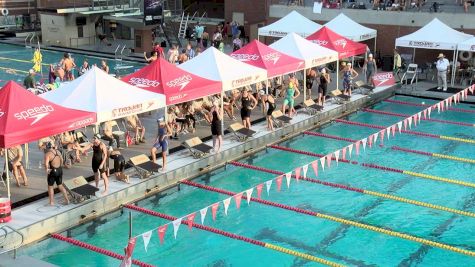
[(91, 40), (3, 238), (29, 39)]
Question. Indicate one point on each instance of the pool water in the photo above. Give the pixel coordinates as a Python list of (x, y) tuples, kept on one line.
[(15, 61), (322, 238)]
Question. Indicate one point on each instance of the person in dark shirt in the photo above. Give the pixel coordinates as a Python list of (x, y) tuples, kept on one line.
[(29, 81)]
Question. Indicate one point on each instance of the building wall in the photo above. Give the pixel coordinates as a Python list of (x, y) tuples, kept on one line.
[(19, 7), (255, 11), (61, 30), (53, 4)]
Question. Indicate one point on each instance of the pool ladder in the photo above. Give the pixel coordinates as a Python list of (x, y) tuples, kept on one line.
[(3, 238), (29, 39)]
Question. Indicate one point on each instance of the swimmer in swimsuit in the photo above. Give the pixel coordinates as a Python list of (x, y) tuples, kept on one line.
[(54, 172)]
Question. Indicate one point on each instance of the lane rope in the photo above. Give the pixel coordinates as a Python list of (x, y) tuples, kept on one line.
[(463, 140), (436, 155), (363, 191), (330, 136), (425, 119), (347, 222), (97, 249), (235, 236), (426, 105)]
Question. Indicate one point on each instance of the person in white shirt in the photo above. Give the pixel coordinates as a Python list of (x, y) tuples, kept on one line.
[(442, 66)]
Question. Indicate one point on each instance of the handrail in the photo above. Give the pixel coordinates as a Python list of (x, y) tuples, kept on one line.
[(194, 15), (26, 39), (4, 229), (31, 39)]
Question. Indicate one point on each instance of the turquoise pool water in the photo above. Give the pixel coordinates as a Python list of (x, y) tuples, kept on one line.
[(322, 238), (15, 61)]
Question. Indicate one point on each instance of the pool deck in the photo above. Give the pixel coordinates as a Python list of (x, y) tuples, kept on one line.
[(36, 220)]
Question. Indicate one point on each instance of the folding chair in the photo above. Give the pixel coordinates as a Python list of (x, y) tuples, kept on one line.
[(339, 97), (364, 88), (79, 189), (280, 119), (144, 166), (197, 148), (411, 73), (82, 139), (311, 107), (241, 132), (117, 131)]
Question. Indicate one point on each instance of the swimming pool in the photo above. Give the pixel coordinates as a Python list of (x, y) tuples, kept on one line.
[(15, 61), (308, 234)]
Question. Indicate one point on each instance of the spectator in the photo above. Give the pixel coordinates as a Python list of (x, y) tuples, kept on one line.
[(68, 65), (152, 58), (199, 29), (442, 66), (51, 74), (53, 161), (108, 135), (104, 66), (190, 52), (15, 164), (84, 67), (237, 43), (157, 48), (217, 38), (29, 81), (205, 40), (183, 57), (172, 54), (135, 124), (397, 63)]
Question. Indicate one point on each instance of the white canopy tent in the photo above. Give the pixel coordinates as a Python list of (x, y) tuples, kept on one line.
[(467, 45), (312, 54), (292, 22), (110, 98), (435, 35), (351, 29), (212, 64)]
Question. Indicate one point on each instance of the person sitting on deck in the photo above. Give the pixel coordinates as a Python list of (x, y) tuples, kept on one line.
[(15, 164), (134, 123)]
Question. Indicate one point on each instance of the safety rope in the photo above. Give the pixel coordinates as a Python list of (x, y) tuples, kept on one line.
[(436, 155), (330, 136), (426, 105)]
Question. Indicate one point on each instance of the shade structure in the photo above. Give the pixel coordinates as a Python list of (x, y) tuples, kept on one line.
[(434, 35), (176, 84), (331, 40), (298, 47), (262, 56), (467, 45), (292, 22), (350, 29), (215, 65), (108, 97), (25, 117)]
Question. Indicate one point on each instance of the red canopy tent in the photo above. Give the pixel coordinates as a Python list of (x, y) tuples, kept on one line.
[(25, 117), (260, 55), (176, 84), (344, 46)]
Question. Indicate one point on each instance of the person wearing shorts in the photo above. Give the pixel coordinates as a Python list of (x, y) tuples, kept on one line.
[(54, 172), (99, 158), (161, 142), (119, 165)]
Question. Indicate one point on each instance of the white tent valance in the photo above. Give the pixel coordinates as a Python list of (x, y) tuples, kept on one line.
[(434, 35), (350, 29), (467, 45), (214, 65), (298, 47), (292, 22), (110, 98)]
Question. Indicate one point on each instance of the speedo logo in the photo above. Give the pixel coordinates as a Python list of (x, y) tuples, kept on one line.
[(320, 42), (382, 78), (143, 83), (341, 42), (81, 123), (182, 81), (35, 113), (1, 113), (245, 57), (272, 57)]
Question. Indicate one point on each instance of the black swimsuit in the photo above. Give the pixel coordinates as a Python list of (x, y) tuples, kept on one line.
[(245, 107), (322, 88), (119, 162), (56, 174), (271, 107), (97, 159), (216, 128)]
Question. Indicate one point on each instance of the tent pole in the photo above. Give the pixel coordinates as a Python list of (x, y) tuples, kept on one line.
[(222, 109), (414, 55), (375, 38), (337, 73), (304, 84), (454, 67), (8, 173), (267, 87), (27, 158)]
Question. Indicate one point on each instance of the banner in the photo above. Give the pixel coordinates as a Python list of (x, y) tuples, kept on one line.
[(383, 79), (152, 11)]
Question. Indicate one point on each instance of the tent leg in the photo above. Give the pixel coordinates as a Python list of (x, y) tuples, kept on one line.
[(375, 39), (454, 67), (304, 84), (27, 158), (337, 72), (8, 173), (222, 109), (267, 87), (414, 55)]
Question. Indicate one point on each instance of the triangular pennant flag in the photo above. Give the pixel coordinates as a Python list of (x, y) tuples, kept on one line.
[(268, 185), (357, 146), (425, 114), (343, 153), (451, 99), (370, 141), (405, 124), (129, 250), (214, 210), (337, 156), (203, 214), (462, 95), (249, 194), (237, 199), (442, 106), (381, 133), (315, 167), (305, 169), (190, 219), (278, 180), (226, 203), (428, 112), (388, 130), (447, 102), (364, 141), (146, 239), (438, 107), (322, 163), (287, 178), (399, 126), (329, 160), (176, 224), (259, 190), (471, 88), (297, 173), (393, 129), (375, 138), (414, 118), (350, 150), (161, 232)]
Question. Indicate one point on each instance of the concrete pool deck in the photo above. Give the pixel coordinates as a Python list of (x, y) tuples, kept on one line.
[(36, 220)]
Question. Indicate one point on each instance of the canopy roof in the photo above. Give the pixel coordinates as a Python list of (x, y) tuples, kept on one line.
[(25, 117), (215, 65), (313, 54), (350, 29), (434, 35), (344, 46), (177, 85), (292, 22), (468, 45), (260, 55), (108, 97)]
